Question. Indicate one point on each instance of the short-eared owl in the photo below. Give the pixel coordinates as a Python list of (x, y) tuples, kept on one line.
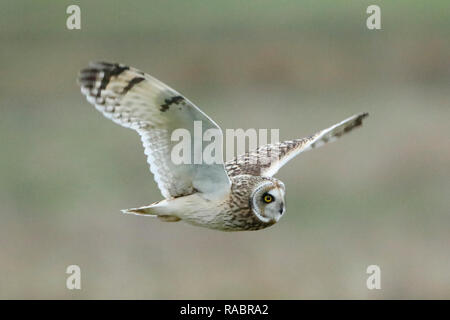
[(238, 195)]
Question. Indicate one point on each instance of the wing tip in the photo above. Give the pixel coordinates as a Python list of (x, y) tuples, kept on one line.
[(358, 120), (89, 75), (363, 115)]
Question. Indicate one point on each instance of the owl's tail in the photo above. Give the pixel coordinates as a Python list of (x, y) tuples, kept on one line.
[(157, 209)]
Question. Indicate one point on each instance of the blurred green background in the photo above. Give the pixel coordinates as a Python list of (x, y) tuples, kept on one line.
[(378, 196)]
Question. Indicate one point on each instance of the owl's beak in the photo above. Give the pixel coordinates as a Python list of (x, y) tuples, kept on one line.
[(281, 211)]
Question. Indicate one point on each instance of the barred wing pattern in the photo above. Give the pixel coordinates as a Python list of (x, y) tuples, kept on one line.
[(268, 159), (136, 100)]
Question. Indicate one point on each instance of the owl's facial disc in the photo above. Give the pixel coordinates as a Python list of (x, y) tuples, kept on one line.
[(268, 201)]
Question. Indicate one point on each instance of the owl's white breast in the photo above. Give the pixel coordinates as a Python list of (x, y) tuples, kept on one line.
[(197, 210)]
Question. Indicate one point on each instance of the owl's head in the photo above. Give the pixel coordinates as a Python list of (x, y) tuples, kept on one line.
[(267, 200)]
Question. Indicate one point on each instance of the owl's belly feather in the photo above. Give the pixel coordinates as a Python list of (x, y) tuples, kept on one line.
[(220, 214)]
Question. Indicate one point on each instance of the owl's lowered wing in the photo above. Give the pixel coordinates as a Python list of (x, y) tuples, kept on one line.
[(268, 159), (136, 100)]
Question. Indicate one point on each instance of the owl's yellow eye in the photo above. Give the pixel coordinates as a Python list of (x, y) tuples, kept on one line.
[(268, 198)]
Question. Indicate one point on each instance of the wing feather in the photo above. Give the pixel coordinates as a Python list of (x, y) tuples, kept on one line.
[(136, 100), (268, 159)]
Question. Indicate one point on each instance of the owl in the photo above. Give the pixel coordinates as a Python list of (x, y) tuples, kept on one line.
[(237, 195)]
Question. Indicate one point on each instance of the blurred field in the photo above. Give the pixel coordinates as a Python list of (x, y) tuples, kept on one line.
[(378, 196)]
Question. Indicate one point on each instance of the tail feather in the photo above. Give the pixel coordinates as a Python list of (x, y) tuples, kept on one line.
[(153, 210), (140, 211)]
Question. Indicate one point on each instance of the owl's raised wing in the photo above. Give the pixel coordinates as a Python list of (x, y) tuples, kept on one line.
[(136, 100), (268, 159)]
